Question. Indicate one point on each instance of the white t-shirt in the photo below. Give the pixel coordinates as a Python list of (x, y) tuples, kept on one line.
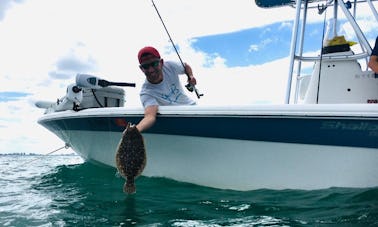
[(167, 92)]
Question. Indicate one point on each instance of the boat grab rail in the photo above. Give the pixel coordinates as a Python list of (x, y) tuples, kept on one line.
[(336, 58)]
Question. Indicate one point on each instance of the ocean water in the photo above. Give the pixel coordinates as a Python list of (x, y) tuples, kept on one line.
[(64, 191)]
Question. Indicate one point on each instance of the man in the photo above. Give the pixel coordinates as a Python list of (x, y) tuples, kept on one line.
[(162, 85), (373, 62)]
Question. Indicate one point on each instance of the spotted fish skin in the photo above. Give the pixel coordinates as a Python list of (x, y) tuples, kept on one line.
[(131, 157)]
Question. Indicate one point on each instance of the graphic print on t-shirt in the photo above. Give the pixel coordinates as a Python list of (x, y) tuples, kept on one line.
[(173, 95)]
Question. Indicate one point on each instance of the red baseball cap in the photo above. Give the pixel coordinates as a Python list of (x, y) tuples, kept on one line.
[(148, 50)]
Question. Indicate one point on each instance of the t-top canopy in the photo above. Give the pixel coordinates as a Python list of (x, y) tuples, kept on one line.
[(274, 3)]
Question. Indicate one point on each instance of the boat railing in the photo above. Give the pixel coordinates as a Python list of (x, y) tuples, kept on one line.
[(372, 8), (296, 52), (336, 58)]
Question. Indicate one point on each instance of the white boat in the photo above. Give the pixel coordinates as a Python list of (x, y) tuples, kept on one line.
[(326, 135)]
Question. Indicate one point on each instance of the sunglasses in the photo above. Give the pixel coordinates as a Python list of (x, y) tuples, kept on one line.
[(148, 65)]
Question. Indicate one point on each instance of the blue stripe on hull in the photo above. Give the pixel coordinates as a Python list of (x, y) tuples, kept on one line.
[(315, 130)]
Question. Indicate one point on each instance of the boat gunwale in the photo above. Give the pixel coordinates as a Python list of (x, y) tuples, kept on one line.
[(365, 111)]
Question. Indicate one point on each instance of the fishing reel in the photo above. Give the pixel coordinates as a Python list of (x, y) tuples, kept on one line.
[(192, 88)]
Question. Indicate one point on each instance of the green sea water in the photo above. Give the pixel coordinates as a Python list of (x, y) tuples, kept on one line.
[(63, 191)]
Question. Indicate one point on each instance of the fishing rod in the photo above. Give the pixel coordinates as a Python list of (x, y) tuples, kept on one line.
[(189, 86)]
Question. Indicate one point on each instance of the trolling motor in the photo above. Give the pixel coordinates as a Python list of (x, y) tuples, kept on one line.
[(90, 81), (78, 95), (72, 99)]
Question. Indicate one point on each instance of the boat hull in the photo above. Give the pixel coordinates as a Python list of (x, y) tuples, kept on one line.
[(240, 152)]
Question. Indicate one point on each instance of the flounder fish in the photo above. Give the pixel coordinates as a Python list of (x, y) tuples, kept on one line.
[(131, 157)]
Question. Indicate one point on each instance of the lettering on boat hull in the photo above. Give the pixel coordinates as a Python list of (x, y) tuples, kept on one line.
[(371, 129)]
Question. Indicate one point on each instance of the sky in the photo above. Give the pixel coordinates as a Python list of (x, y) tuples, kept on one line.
[(238, 52)]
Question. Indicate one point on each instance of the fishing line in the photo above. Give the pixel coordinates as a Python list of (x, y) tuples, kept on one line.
[(66, 146), (321, 10), (189, 86)]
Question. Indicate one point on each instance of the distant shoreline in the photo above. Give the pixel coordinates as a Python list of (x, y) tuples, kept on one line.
[(34, 154)]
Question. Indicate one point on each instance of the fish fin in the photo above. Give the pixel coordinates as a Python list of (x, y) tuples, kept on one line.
[(129, 187)]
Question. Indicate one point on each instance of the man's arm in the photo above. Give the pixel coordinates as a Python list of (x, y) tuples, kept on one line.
[(373, 63), (149, 118), (189, 73)]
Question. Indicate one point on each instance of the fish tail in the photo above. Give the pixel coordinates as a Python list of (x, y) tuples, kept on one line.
[(129, 187)]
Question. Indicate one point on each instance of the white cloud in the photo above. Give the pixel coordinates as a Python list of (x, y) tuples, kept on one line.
[(20, 131), (285, 25), (244, 85), (253, 48), (261, 45), (77, 60), (5, 5), (216, 16)]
